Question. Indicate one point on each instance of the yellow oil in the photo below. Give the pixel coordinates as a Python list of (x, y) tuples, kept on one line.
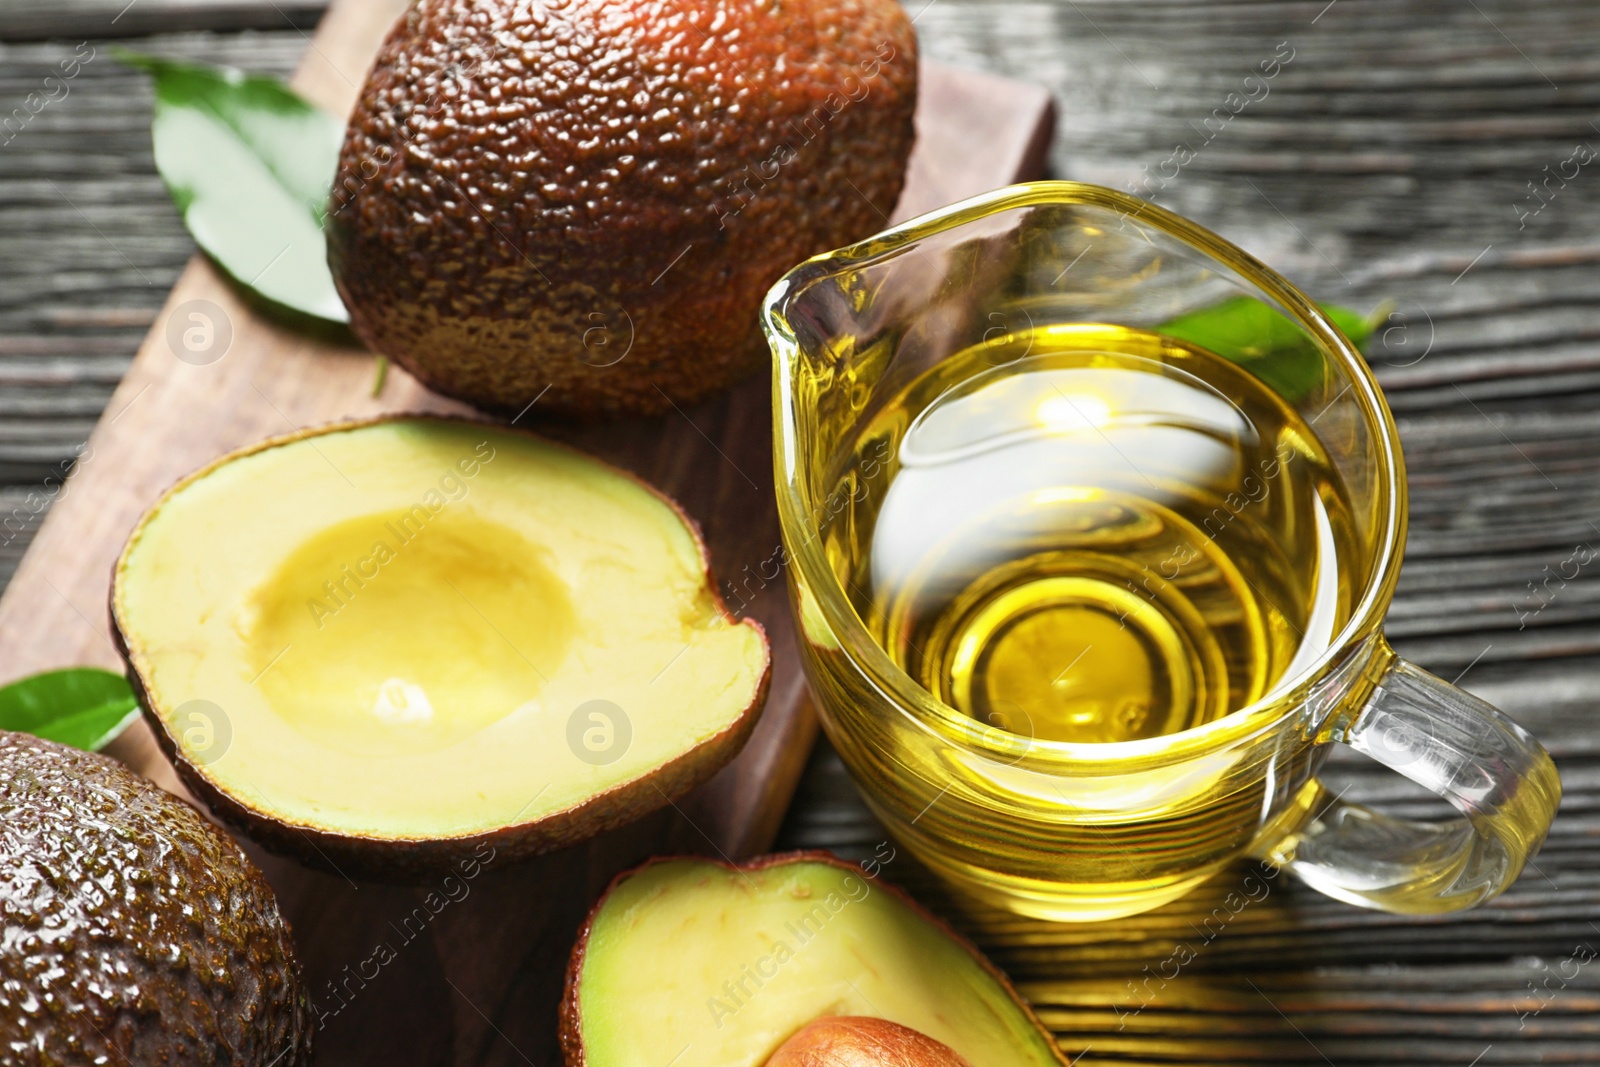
[(1093, 534)]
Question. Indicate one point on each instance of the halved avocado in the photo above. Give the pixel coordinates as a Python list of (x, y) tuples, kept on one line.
[(721, 964), (382, 646)]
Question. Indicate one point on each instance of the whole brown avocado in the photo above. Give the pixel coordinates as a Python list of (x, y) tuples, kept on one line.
[(583, 202), (134, 932)]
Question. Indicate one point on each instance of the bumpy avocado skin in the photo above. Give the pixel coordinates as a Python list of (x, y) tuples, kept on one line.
[(584, 202), (134, 932)]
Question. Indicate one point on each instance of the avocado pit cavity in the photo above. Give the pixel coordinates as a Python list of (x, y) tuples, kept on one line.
[(408, 629)]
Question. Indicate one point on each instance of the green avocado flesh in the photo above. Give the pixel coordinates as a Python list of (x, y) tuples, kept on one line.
[(727, 964), (427, 629)]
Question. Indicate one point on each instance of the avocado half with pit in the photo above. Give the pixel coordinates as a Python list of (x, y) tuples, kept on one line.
[(730, 963), (383, 646)]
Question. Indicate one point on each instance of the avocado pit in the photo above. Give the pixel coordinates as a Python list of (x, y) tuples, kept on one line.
[(862, 1041)]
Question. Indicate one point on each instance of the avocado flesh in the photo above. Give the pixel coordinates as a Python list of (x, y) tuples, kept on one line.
[(730, 963), (397, 621)]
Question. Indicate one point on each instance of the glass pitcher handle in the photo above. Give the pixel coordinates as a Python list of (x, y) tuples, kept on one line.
[(1490, 770)]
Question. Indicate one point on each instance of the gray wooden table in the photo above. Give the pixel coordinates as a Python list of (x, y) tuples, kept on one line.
[(1415, 151)]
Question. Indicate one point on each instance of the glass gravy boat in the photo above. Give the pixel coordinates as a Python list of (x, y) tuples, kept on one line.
[(1081, 831)]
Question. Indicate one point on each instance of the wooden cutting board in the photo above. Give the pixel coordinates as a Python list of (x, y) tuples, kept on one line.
[(476, 968)]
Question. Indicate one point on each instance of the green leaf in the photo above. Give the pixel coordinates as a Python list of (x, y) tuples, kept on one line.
[(250, 165), (1264, 340), (81, 706)]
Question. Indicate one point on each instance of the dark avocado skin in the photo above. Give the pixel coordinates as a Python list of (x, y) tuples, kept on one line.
[(134, 932), (584, 202)]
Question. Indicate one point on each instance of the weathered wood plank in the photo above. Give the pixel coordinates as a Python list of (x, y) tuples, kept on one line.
[(32, 20), (1386, 156)]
